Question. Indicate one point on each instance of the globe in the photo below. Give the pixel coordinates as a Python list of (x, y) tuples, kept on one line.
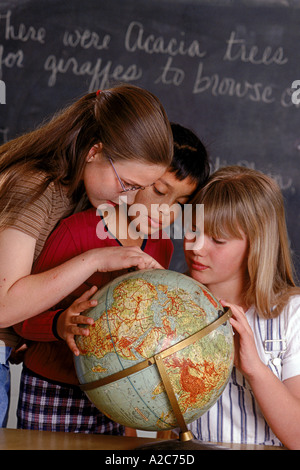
[(157, 335)]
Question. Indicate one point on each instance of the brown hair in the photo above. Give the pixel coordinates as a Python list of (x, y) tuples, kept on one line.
[(129, 121), (241, 199)]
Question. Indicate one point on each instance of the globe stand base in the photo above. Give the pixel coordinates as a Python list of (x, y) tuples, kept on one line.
[(176, 444), (185, 442)]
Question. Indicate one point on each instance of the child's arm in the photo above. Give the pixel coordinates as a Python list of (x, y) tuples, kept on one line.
[(24, 295), (278, 401), (59, 324)]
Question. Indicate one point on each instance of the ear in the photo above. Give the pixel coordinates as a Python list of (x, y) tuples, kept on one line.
[(97, 148)]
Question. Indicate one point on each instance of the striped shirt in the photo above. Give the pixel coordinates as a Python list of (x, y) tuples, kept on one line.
[(37, 220), (236, 416)]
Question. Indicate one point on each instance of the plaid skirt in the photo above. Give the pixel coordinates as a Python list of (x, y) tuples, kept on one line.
[(49, 406)]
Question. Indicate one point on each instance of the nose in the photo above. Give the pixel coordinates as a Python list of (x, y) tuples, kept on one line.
[(129, 197), (197, 245), (164, 209)]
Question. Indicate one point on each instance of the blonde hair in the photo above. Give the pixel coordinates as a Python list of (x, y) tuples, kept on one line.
[(129, 121), (240, 199)]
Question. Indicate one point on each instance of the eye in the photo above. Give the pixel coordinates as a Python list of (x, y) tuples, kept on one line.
[(130, 187), (218, 241), (127, 185), (159, 193)]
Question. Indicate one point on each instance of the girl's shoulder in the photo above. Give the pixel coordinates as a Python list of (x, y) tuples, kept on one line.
[(293, 304), (35, 189), (290, 308), (288, 303)]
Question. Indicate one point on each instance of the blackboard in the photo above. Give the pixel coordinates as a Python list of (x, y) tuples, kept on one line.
[(223, 68)]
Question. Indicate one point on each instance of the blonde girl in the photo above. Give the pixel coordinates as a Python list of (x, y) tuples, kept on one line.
[(245, 261)]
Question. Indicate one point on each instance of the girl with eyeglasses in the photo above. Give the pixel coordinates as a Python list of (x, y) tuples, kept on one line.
[(48, 363), (62, 167)]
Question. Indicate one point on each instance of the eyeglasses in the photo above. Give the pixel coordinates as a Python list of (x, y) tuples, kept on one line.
[(124, 189)]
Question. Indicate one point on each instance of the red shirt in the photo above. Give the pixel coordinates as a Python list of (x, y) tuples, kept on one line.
[(48, 356)]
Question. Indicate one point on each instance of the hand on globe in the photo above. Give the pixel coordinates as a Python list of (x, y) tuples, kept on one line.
[(246, 359), (125, 257), (69, 320)]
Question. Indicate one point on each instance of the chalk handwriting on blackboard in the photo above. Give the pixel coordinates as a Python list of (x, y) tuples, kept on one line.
[(22, 33), (237, 49), (136, 39), (11, 59), (101, 73), (86, 39), (221, 86), (171, 75)]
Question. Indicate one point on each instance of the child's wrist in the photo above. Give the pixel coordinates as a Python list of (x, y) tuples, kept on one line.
[(95, 261), (55, 326), (257, 373)]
